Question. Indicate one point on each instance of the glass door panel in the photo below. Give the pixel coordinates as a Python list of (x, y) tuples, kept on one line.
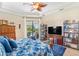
[(32, 29), (29, 29)]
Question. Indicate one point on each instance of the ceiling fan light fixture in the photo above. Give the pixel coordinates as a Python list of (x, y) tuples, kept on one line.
[(38, 5)]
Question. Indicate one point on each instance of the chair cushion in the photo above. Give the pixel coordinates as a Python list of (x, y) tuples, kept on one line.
[(6, 44), (58, 50), (33, 38)]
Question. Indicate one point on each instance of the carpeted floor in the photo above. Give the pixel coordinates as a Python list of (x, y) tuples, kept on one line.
[(71, 52)]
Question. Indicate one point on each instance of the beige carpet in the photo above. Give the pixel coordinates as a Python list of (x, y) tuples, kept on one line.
[(71, 52)]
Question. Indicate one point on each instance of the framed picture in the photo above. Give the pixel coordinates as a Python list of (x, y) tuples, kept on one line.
[(19, 26)]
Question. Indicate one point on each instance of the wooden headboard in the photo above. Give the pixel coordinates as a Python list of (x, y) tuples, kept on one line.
[(8, 30)]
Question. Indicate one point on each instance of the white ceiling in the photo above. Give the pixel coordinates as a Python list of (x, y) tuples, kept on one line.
[(25, 8)]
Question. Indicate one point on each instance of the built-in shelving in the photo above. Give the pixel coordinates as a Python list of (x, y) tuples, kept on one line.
[(43, 32), (71, 34)]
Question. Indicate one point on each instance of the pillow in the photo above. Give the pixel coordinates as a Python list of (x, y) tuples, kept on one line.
[(6, 44), (13, 43), (2, 50)]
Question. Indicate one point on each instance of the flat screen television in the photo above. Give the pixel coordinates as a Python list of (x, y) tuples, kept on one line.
[(57, 30), (51, 30)]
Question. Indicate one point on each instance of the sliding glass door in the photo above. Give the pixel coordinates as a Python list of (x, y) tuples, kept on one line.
[(32, 28)]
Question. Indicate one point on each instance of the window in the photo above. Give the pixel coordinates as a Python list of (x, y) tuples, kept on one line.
[(32, 28)]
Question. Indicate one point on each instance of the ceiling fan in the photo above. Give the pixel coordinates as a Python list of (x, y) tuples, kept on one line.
[(37, 5)]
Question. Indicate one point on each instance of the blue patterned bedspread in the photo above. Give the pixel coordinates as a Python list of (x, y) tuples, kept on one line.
[(29, 47), (2, 50)]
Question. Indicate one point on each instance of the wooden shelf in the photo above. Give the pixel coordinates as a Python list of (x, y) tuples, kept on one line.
[(43, 32), (72, 32)]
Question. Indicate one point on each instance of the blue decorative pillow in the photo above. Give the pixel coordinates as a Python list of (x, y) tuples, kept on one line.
[(13, 43), (2, 50), (6, 44)]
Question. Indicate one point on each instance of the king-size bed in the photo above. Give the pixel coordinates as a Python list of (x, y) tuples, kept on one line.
[(28, 47)]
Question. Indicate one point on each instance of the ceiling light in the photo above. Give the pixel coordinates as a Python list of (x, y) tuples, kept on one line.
[(38, 5)]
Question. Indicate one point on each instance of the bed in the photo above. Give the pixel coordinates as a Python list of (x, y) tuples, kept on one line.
[(28, 47)]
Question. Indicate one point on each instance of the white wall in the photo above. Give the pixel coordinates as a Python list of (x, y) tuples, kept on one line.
[(17, 20)]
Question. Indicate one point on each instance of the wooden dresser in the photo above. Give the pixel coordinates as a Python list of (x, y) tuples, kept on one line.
[(8, 30)]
